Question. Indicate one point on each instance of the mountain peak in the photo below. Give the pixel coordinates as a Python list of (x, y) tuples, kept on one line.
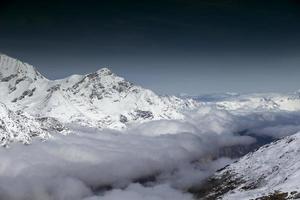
[(104, 71), (11, 68)]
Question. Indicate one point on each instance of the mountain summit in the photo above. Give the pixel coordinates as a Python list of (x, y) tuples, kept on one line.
[(11, 68)]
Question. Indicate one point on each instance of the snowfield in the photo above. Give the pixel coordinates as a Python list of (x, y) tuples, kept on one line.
[(100, 137), (21, 127)]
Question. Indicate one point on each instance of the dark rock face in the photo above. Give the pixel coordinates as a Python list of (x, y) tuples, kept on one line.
[(28, 93), (278, 195), (92, 75), (20, 80), (54, 88), (8, 78), (122, 86), (12, 88), (123, 119), (2, 125), (215, 187), (51, 124), (144, 114)]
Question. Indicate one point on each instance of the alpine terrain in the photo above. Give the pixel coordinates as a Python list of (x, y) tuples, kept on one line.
[(171, 144), (271, 172), (100, 99)]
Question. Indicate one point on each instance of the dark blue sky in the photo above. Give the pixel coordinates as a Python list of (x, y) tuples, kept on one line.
[(170, 46)]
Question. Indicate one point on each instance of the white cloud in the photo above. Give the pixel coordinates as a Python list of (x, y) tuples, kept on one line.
[(178, 152), (139, 192)]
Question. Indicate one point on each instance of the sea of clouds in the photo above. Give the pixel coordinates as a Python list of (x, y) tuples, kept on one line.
[(158, 160)]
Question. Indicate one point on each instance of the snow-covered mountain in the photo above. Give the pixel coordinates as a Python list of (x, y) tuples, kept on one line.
[(285, 102), (21, 127), (100, 99), (271, 172), (32, 106), (252, 102)]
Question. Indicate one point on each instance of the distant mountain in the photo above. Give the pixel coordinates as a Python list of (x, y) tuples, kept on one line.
[(252, 102), (100, 99), (215, 97), (262, 102), (271, 172)]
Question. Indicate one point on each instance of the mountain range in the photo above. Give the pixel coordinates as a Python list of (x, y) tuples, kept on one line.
[(33, 107), (100, 99)]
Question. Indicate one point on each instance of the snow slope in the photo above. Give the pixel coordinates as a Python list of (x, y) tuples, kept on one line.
[(100, 99), (21, 127), (271, 171)]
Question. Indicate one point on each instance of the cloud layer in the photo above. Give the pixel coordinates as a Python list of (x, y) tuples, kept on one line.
[(156, 160)]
